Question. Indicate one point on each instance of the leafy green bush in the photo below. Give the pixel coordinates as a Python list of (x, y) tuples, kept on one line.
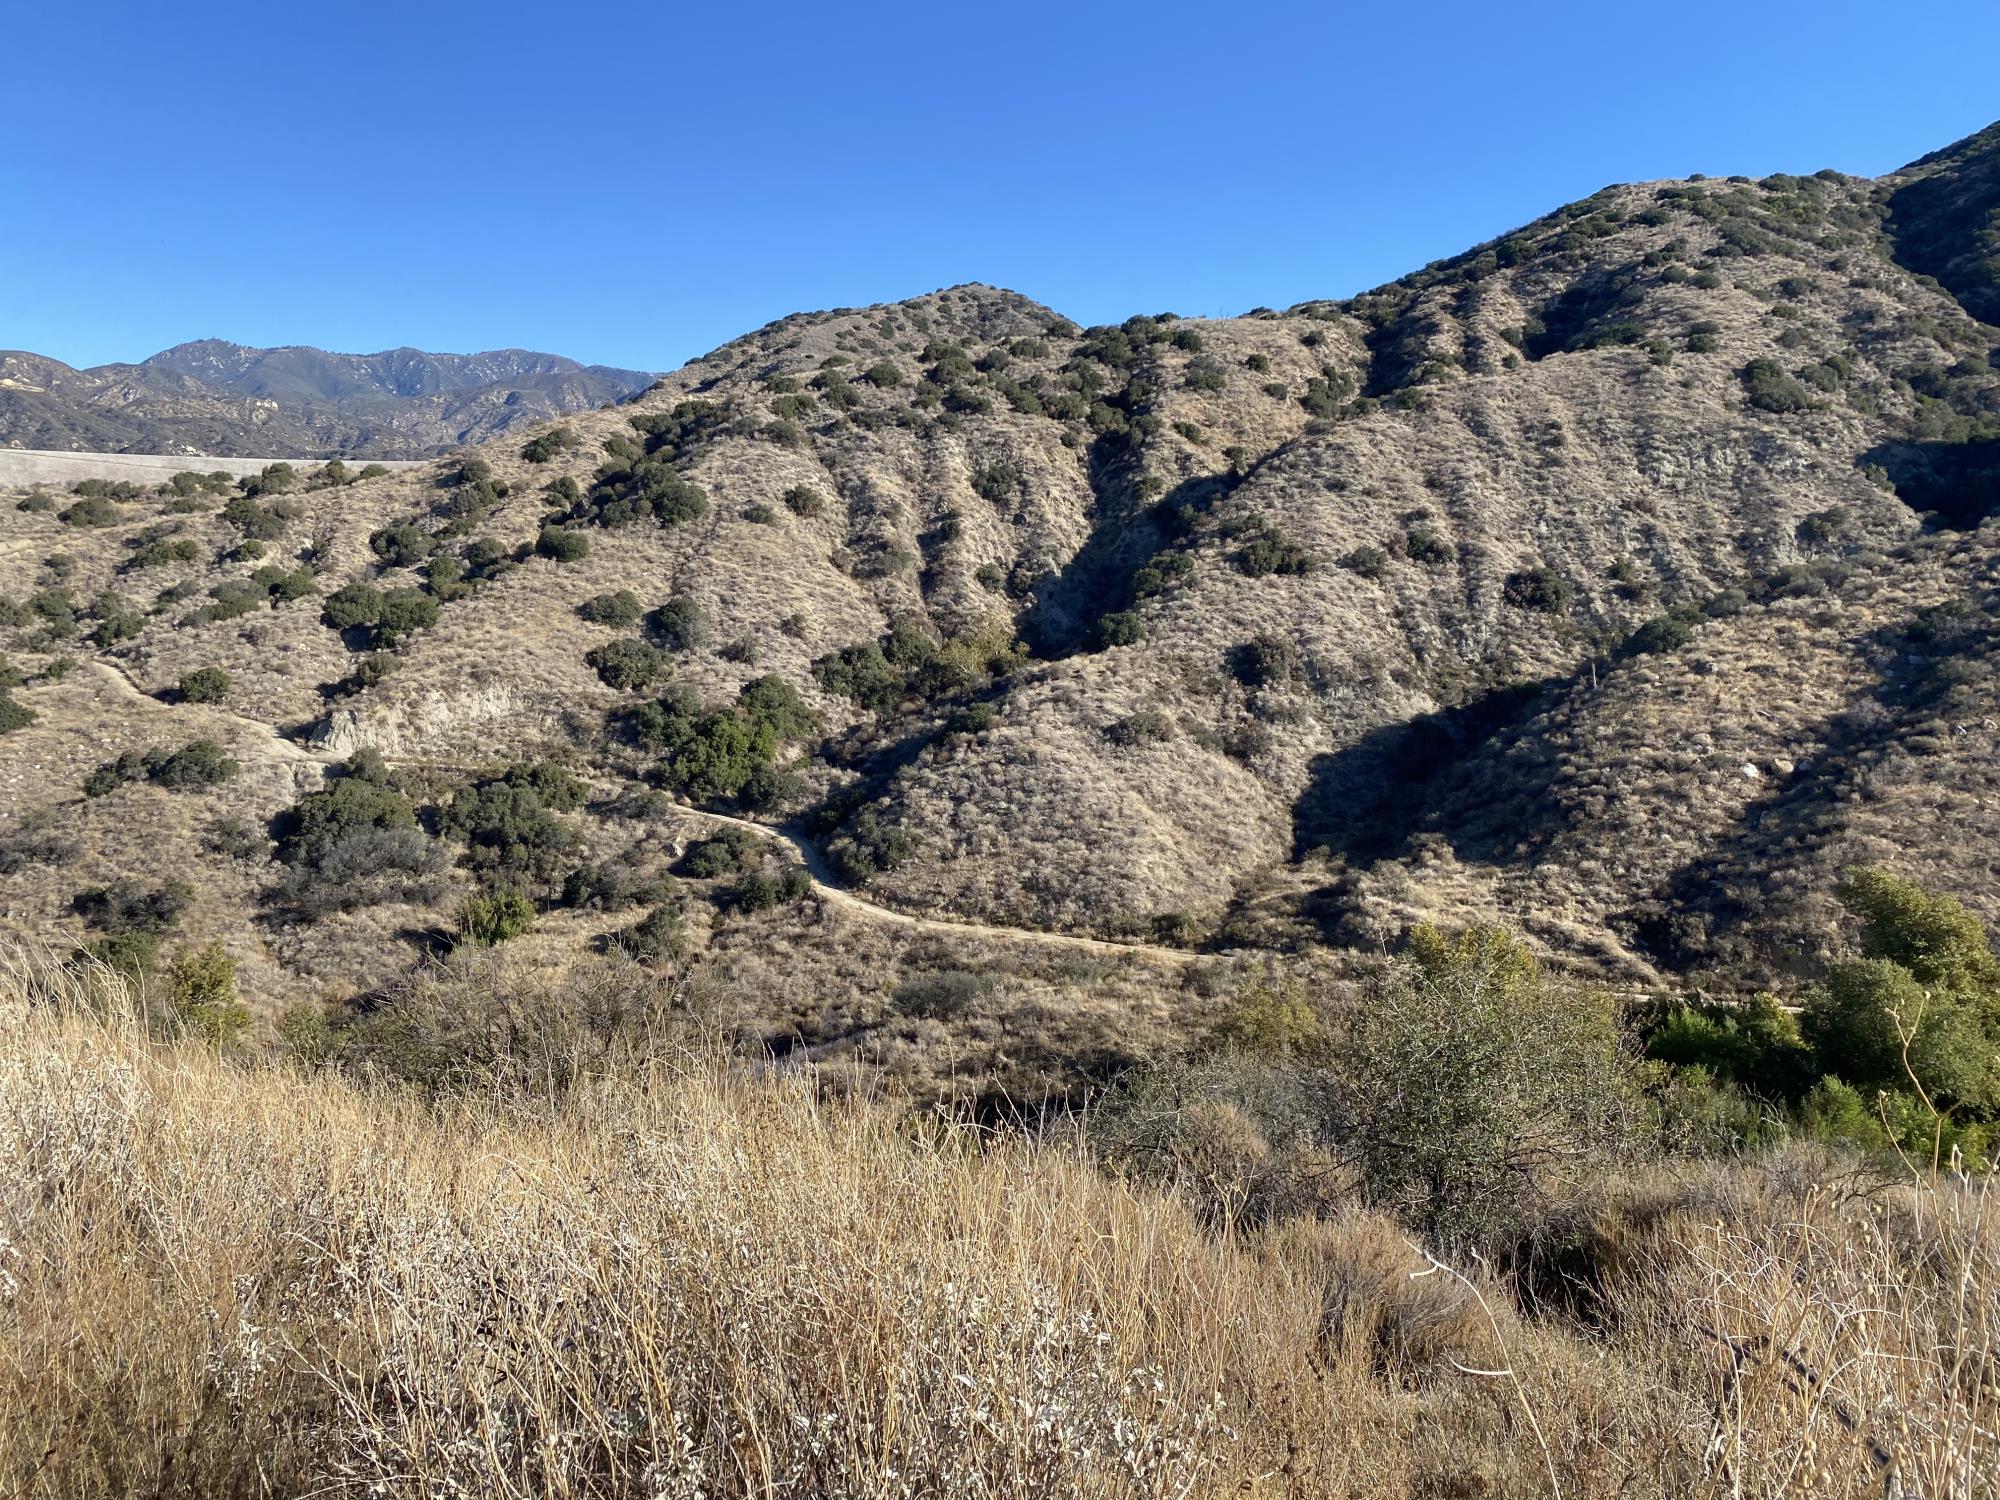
[(681, 624), (484, 921), (1369, 562), (1922, 1003), (196, 766), (726, 853), (352, 605), (1771, 389), (160, 551), (1539, 588), (867, 845), (656, 937), (1664, 633), (1119, 628), (203, 995), (1147, 726), (510, 824), (92, 510), (544, 446), (403, 545), (628, 664), (1270, 551), (204, 685), (757, 891), (1475, 1087), (563, 546), (1422, 545), (803, 500), (404, 612), (641, 481), (354, 842), (620, 610)]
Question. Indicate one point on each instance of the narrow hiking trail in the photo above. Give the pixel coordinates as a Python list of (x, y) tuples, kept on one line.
[(833, 894), (268, 741)]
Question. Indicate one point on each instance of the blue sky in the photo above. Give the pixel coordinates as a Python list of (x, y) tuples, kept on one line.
[(636, 183)]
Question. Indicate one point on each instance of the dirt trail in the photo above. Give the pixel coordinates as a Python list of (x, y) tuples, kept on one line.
[(838, 895), (269, 741)]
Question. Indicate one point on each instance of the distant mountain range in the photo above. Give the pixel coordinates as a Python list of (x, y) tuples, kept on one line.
[(211, 396)]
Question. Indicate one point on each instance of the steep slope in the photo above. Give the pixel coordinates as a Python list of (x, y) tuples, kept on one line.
[(226, 399)]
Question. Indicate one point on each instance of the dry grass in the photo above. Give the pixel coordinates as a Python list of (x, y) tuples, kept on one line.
[(220, 1278)]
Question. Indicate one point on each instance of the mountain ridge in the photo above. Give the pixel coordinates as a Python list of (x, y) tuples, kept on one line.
[(235, 400)]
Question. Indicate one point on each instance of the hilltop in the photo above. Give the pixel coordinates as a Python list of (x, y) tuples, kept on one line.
[(214, 397), (1622, 579)]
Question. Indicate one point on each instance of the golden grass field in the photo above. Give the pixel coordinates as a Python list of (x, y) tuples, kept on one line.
[(226, 1277)]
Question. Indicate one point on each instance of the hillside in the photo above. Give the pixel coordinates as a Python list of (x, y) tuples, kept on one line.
[(1623, 578), (226, 399)]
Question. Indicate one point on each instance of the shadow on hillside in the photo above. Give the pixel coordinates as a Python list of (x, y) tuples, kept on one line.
[(1365, 803), (1960, 482), (1719, 907), (1124, 535)]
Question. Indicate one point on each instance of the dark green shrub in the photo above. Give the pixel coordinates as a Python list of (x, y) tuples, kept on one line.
[(1205, 375), (1538, 588), (403, 545), (274, 479), (544, 446), (194, 767), (563, 546), (719, 756), (510, 823), (1120, 628), (867, 845), (13, 715), (352, 605), (204, 685), (726, 853), (1370, 562), (759, 892), (996, 482), (404, 612), (862, 673), (1771, 389), (1663, 633), (656, 937), (1269, 551), (126, 906), (803, 500), (680, 624), (620, 610), (627, 664), (93, 510), (1147, 726), (160, 551), (1422, 545)]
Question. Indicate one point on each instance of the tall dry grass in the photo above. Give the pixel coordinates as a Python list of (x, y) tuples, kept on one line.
[(230, 1278)]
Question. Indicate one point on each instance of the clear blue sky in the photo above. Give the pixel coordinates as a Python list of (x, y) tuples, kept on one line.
[(636, 183)]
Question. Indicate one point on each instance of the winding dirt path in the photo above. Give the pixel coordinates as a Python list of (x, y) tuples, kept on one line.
[(268, 740), (834, 894), (825, 886)]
